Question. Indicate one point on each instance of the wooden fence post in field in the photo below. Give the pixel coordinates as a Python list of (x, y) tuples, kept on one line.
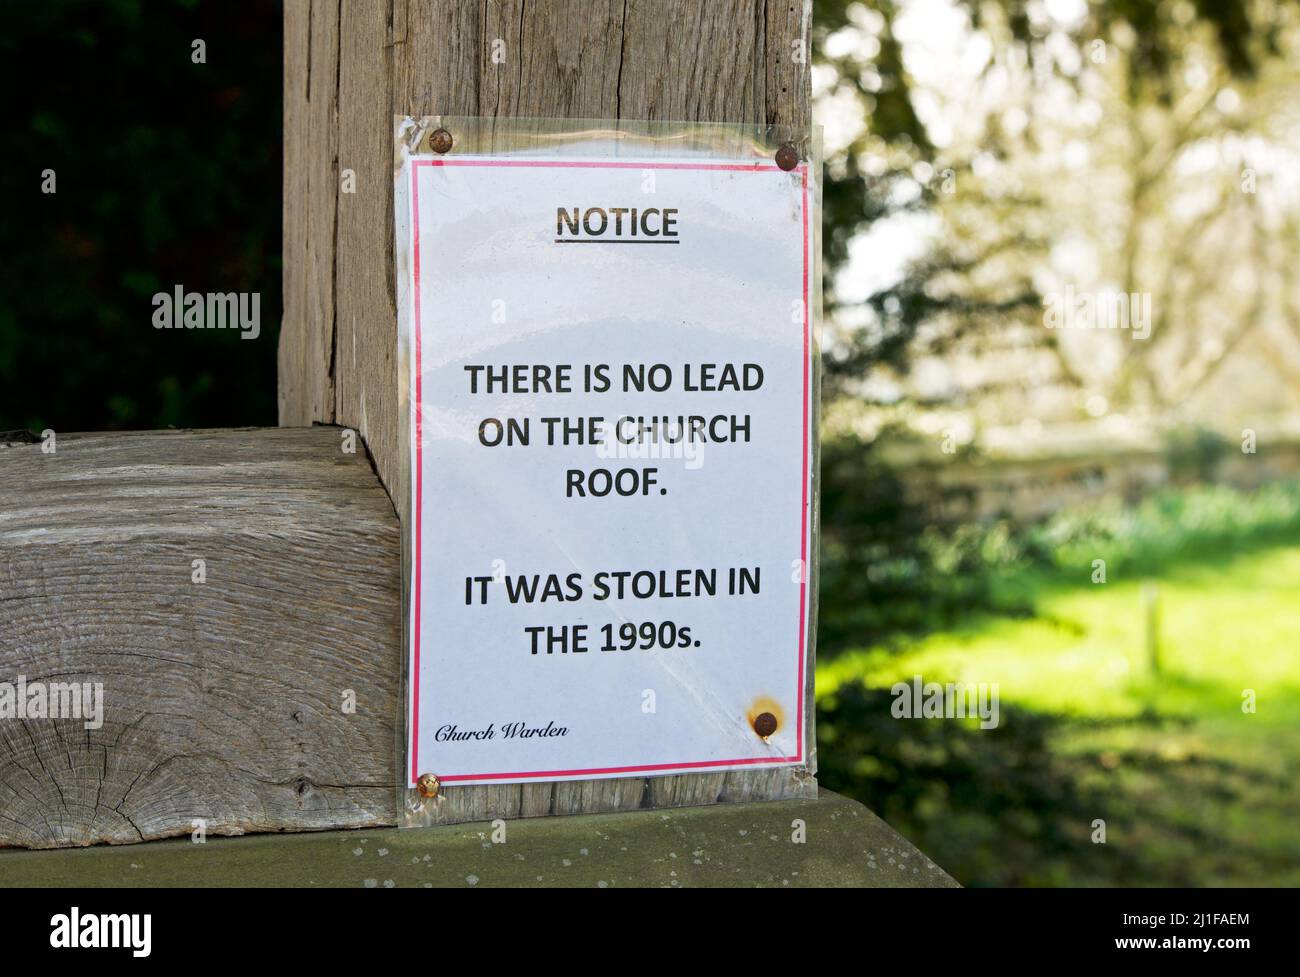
[(349, 68), (1150, 598)]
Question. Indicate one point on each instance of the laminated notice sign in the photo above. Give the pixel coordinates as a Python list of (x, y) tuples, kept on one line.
[(612, 404)]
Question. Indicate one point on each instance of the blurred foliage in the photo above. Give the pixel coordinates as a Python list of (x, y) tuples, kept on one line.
[(167, 173), (993, 807), (1169, 526), (1194, 452), (1016, 805), (1019, 805), (889, 564), (1193, 791), (895, 138), (892, 568)]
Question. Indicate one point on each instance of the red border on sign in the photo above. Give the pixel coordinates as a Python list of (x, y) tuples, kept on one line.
[(802, 169)]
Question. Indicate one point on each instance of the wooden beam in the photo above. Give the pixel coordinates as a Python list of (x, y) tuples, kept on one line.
[(223, 700), (349, 68), (848, 846)]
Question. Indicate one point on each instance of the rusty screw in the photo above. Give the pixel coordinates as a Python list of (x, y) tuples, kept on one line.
[(765, 724), (787, 157), (440, 141), (428, 785)]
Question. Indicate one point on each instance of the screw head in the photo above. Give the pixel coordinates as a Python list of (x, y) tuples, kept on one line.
[(765, 724), (428, 785), (440, 141), (787, 157)]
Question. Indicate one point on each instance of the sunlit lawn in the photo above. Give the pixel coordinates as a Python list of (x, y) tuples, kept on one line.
[(1218, 788)]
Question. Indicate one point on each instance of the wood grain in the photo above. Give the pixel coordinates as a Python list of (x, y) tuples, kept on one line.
[(848, 847), (223, 700), (349, 68)]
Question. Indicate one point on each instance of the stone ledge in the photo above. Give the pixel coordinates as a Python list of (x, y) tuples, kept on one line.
[(720, 845)]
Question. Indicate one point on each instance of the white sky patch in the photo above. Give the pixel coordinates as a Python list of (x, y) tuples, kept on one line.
[(1068, 14), (842, 118), (846, 41), (940, 46), (879, 257)]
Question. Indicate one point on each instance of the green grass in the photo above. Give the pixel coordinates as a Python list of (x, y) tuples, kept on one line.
[(1194, 790), (1223, 629)]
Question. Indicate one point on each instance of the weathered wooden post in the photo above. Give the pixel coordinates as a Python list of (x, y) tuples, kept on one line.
[(349, 69)]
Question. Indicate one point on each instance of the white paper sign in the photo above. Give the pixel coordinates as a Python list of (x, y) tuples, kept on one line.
[(611, 410)]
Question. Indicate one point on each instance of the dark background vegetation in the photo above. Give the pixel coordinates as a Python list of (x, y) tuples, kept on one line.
[(1017, 805), (168, 173)]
